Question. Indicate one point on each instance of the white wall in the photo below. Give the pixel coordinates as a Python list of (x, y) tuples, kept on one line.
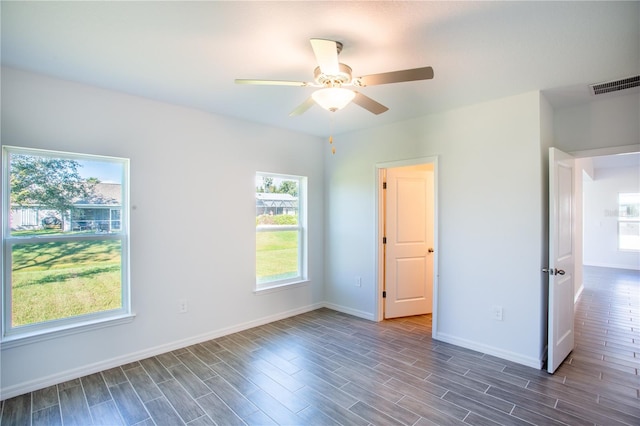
[(610, 122), (490, 168), (182, 160), (601, 219)]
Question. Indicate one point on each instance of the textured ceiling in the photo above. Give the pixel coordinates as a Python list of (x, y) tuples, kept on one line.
[(189, 53)]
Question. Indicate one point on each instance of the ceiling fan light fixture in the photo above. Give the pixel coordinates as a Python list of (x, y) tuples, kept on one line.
[(333, 98)]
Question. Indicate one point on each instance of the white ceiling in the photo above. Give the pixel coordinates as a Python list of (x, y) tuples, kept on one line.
[(189, 53)]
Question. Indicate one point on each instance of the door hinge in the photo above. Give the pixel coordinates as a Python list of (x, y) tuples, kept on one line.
[(384, 240), (384, 185), (384, 294)]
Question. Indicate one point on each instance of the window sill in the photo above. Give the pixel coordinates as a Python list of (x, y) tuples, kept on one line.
[(15, 340), (280, 287)]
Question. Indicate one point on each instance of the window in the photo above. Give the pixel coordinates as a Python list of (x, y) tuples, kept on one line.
[(629, 221), (280, 230), (65, 241)]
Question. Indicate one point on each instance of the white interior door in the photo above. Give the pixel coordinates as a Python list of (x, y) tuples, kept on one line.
[(561, 257), (409, 231)]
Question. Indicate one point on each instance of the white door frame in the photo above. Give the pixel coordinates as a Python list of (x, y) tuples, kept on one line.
[(613, 150), (379, 233)]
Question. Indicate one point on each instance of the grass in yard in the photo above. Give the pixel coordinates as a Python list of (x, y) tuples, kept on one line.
[(58, 280), (276, 255)]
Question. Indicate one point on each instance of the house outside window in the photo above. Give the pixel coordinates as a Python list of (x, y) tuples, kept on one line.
[(629, 221), (65, 241), (281, 248)]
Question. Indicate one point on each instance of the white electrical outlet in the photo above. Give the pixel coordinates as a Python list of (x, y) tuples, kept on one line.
[(358, 281), (182, 306), (496, 312)]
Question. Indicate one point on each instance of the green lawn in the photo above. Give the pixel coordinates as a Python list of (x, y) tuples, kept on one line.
[(63, 279), (276, 255)]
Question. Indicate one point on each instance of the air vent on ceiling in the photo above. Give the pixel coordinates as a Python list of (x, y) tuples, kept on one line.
[(614, 86)]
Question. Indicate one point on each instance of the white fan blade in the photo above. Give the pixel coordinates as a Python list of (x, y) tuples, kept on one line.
[(425, 73), (326, 52), (369, 104), (272, 82), (302, 107)]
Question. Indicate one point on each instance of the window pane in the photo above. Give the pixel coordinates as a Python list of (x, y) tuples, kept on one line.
[(628, 224), (629, 205), (57, 280), (64, 195), (629, 235), (278, 229), (276, 255)]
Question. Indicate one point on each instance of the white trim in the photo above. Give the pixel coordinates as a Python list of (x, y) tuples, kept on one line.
[(40, 383), (40, 335), (490, 350), (379, 212), (407, 162), (280, 287), (379, 278), (346, 310), (614, 150), (271, 228)]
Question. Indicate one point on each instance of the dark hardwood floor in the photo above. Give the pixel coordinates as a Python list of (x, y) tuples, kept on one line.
[(328, 368)]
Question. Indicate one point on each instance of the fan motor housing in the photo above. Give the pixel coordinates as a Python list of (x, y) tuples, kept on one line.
[(343, 76)]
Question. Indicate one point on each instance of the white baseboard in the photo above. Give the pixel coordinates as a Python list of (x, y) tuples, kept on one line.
[(490, 350), (346, 310), (43, 382)]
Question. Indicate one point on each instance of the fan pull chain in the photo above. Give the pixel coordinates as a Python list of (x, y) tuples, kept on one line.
[(333, 148)]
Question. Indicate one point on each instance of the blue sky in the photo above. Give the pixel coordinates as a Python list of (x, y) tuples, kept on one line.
[(106, 171)]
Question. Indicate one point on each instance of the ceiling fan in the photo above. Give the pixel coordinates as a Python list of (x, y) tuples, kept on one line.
[(332, 76)]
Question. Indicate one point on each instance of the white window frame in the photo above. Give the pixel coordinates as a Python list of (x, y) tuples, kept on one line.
[(15, 336), (301, 227)]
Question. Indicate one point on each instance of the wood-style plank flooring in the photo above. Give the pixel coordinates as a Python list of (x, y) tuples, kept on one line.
[(328, 368)]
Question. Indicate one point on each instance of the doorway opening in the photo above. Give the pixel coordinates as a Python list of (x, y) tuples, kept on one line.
[(560, 319), (407, 238)]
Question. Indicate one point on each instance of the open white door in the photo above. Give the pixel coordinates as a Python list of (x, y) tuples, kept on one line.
[(409, 249), (561, 257)]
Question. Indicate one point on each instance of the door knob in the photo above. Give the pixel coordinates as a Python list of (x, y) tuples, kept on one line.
[(430, 250), (553, 271)]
